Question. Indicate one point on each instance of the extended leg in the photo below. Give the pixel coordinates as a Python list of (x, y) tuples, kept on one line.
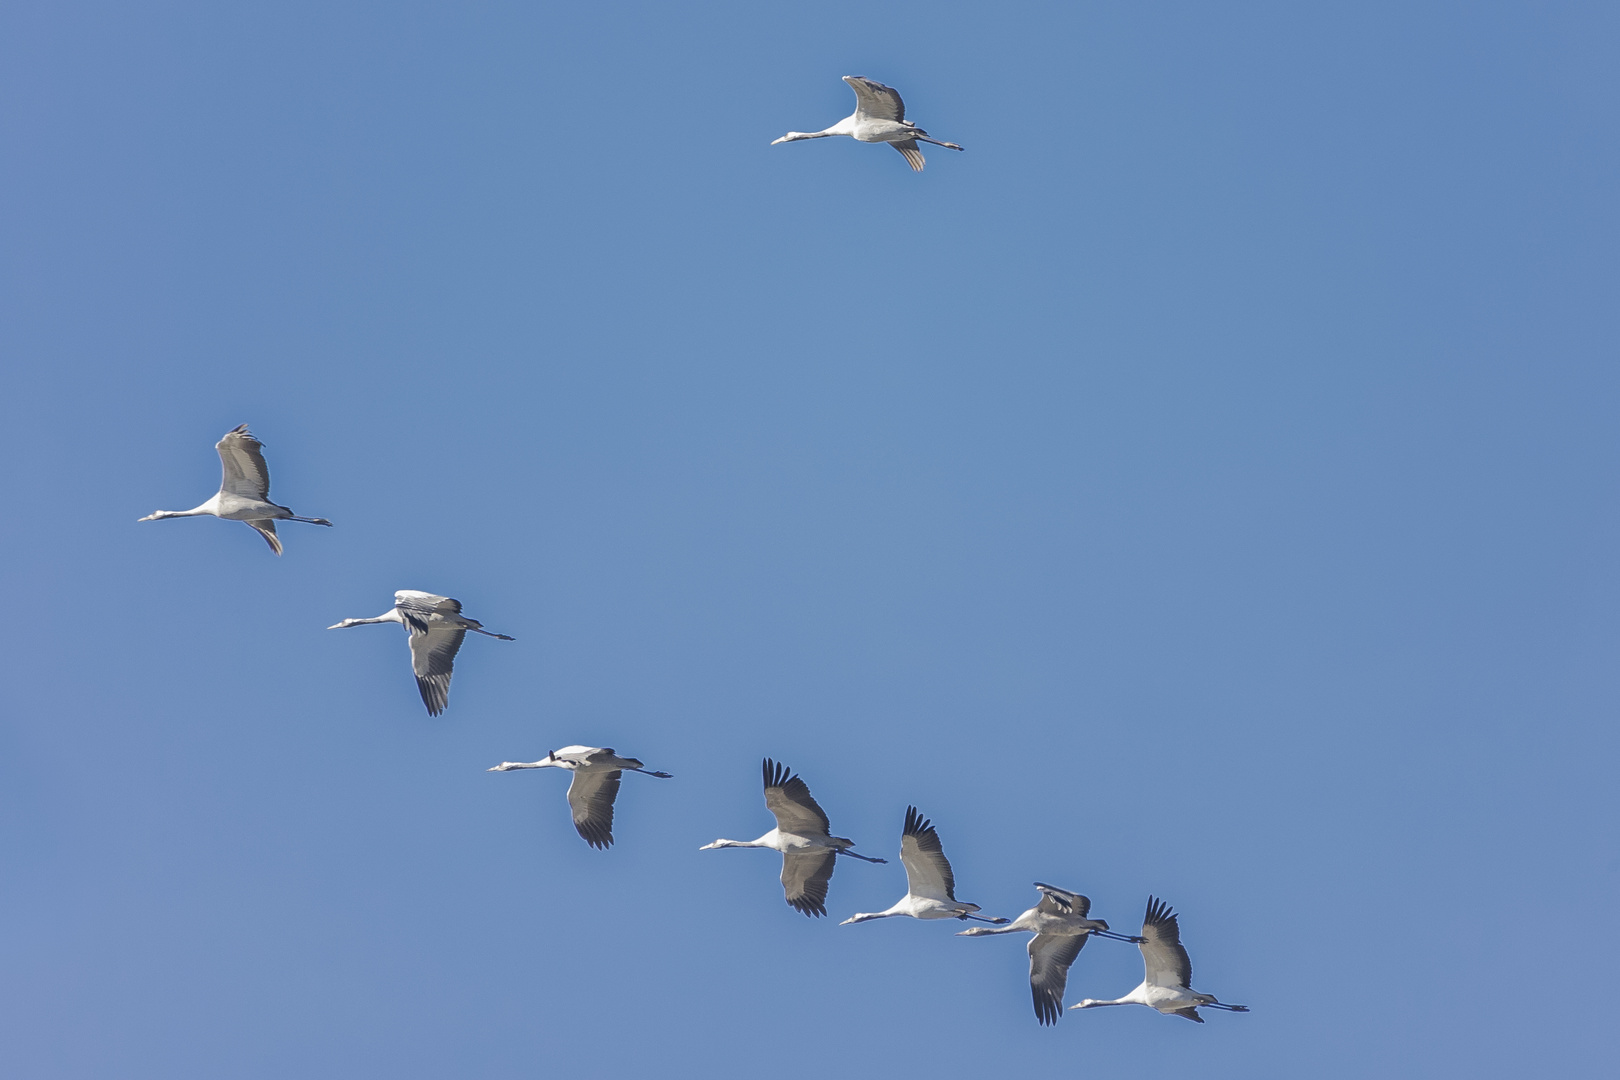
[(863, 858)]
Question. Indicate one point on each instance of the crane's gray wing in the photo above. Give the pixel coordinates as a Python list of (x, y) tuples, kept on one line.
[(433, 652), (590, 796), (266, 527), (242, 465), (1191, 1013), (909, 151), (873, 99), (928, 872), (1056, 901), (1164, 960), (419, 609), (789, 799), (1049, 958), (805, 875)]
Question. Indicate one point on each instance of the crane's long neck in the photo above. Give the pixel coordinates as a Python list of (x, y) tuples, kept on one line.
[(869, 916), (508, 766), (200, 511), (981, 931), (391, 615), (734, 843)]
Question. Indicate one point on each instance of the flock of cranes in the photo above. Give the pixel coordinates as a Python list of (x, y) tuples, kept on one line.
[(1059, 924)]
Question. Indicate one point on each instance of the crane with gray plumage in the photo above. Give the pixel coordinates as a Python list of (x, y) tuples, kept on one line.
[(595, 785), (244, 490), (1061, 928), (803, 836), (1166, 971), (879, 117), (930, 884), (436, 628)]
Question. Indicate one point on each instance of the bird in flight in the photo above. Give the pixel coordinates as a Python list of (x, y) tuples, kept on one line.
[(436, 628), (244, 490), (594, 786), (1167, 971), (802, 835), (1061, 928), (879, 117), (930, 884)]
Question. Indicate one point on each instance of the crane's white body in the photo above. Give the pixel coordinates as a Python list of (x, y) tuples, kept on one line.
[(244, 490), (930, 883), (1061, 928), (879, 117), (595, 785), (436, 628), (803, 836), (1167, 971)]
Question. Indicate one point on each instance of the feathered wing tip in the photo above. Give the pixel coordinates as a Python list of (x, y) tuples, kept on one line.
[(776, 775), (435, 690), (1047, 1008), (1190, 1013), (909, 151), (808, 906), (916, 824), (595, 833), (1161, 918)]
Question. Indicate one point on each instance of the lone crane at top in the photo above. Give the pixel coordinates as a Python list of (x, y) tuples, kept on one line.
[(436, 628), (244, 490), (1166, 971), (879, 117), (802, 835), (930, 884)]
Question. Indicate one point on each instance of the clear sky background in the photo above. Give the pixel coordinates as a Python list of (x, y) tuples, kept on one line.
[(1204, 485)]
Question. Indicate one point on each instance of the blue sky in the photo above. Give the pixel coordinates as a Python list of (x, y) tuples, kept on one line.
[(1203, 486)]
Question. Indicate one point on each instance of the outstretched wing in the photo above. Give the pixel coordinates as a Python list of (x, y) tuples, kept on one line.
[(1191, 1013), (874, 100), (433, 652), (909, 151), (242, 465), (419, 608), (805, 875), (1056, 901), (266, 527), (1049, 958), (590, 796), (1164, 960), (928, 872), (789, 799)]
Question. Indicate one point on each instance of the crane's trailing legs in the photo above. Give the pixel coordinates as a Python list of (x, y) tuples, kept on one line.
[(863, 858)]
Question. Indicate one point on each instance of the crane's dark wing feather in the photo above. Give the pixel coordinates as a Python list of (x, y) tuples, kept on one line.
[(1165, 961), (590, 797), (242, 468), (1049, 958), (789, 799), (433, 653), (875, 100), (805, 876), (928, 871)]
